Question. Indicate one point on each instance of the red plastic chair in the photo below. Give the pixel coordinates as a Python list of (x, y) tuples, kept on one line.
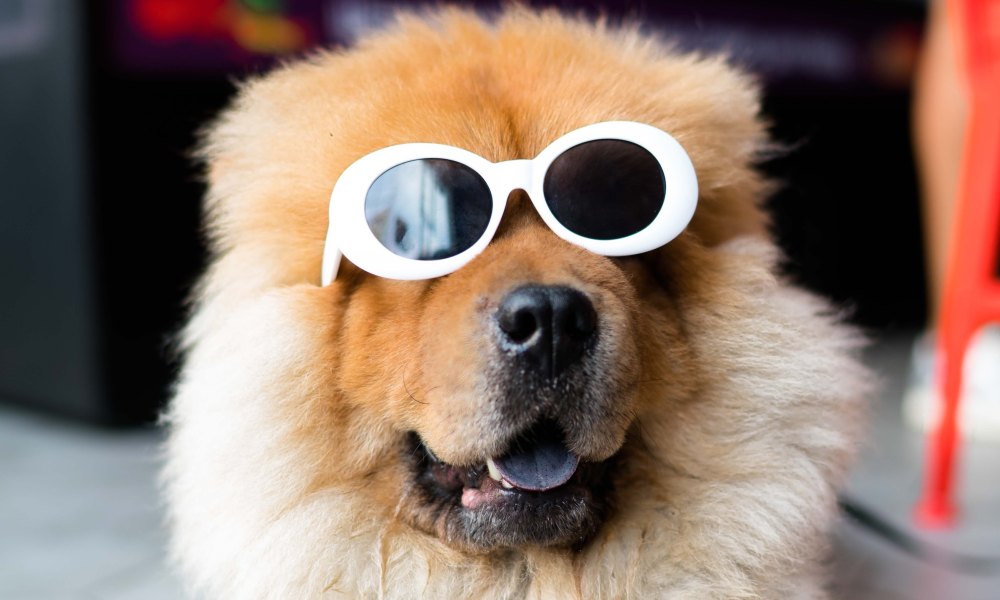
[(971, 296)]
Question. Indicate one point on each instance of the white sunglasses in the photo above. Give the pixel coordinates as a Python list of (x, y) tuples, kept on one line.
[(417, 211)]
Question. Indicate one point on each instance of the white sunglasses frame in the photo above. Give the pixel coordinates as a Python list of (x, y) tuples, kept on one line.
[(350, 236)]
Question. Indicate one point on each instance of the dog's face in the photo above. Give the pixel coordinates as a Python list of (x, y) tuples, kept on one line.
[(512, 383), (495, 407)]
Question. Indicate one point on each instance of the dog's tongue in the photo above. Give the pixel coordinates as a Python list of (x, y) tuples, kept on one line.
[(541, 466)]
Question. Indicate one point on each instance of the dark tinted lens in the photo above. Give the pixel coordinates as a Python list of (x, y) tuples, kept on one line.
[(605, 189), (428, 209)]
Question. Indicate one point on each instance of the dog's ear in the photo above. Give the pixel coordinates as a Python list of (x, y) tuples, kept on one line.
[(269, 163), (713, 109)]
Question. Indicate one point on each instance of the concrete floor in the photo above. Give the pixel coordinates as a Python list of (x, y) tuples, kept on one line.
[(888, 479), (80, 516), (79, 513)]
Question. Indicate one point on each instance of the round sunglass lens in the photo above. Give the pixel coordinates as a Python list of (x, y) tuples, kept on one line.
[(605, 189), (428, 209)]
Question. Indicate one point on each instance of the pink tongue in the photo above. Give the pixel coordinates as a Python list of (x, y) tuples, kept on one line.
[(545, 465)]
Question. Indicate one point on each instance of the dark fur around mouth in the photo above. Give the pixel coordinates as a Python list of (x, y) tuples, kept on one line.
[(568, 515)]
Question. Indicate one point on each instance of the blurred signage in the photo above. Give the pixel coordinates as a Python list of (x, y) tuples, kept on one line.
[(211, 35), (829, 44)]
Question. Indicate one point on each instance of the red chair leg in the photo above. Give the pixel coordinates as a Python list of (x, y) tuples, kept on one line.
[(937, 508), (971, 297)]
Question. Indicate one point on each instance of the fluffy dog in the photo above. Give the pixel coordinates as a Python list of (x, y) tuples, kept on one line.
[(332, 441)]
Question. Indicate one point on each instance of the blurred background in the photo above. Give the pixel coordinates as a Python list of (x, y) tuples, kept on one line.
[(100, 103)]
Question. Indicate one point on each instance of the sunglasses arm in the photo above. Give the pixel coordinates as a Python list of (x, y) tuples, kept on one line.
[(331, 262)]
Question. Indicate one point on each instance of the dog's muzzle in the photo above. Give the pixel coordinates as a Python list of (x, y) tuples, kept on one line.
[(553, 411)]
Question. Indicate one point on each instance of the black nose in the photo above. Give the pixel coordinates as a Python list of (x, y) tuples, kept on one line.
[(546, 327)]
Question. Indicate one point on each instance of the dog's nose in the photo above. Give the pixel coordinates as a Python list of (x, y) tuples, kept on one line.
[(546, 327)]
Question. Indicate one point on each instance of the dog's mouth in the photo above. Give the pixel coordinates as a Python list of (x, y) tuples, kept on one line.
[(537, 492)]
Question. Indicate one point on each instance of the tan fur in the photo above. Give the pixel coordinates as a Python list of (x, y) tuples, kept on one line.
[(740, 397)]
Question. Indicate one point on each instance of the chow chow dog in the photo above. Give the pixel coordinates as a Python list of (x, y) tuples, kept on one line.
[(571, 369)]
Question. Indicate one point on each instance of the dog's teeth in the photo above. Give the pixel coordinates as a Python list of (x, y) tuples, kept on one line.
[(491, 467), (506, 485)]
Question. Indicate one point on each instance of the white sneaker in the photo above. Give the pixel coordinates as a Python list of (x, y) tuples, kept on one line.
[(979, 405)]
